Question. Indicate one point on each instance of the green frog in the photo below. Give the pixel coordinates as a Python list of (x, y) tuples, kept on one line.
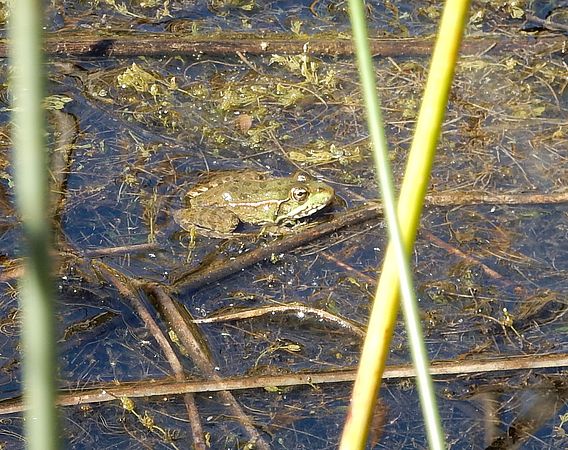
[(217, 206)]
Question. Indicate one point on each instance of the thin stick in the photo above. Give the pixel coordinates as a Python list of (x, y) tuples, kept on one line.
[(165, 387), (196, 346), (196, 278), (546, 23), (291, 307), (122, 286), (95, 45)]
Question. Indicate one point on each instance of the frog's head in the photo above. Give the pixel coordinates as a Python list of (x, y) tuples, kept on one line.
[(305, 197)]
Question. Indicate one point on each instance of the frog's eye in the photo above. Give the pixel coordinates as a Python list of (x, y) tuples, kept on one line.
[(300, 194)]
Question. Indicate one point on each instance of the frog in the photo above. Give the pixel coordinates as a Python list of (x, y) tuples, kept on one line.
[(216, 207)]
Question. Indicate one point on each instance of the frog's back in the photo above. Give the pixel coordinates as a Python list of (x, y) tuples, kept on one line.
[(215, 188)]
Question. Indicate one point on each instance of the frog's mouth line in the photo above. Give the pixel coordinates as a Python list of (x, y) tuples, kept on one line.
[(306, 209), (300, 213)]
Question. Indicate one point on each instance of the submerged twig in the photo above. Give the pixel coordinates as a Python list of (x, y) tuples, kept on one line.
[(126, 291), (196, 346), (164, 387), (65, 130), (458, 198), (147, 44), (113, 251), (13, 269), (292, 307), (546, 23), (469, 258), (196, 278)]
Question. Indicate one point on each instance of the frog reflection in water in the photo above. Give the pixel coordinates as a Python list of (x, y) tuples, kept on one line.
[(216, 207)]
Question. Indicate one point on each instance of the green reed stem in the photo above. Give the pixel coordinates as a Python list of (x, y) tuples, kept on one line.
[(402, 233), (30, 164)]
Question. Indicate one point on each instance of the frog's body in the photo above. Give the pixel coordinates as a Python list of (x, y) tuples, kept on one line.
[(217, 206)]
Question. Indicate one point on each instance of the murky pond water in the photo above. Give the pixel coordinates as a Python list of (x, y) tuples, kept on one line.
[(131, 134)]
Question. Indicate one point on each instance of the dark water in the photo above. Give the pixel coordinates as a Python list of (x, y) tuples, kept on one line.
[(143, 131)]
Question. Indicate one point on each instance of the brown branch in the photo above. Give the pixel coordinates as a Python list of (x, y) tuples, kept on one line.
[(295, 308), (457, 198), (81, 43), (10, 270), (125, 291), (166, 387), (65, 130), (546, 23), (198, 277), (113, 251), (196, 346), (469, 258), (193, 342)]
